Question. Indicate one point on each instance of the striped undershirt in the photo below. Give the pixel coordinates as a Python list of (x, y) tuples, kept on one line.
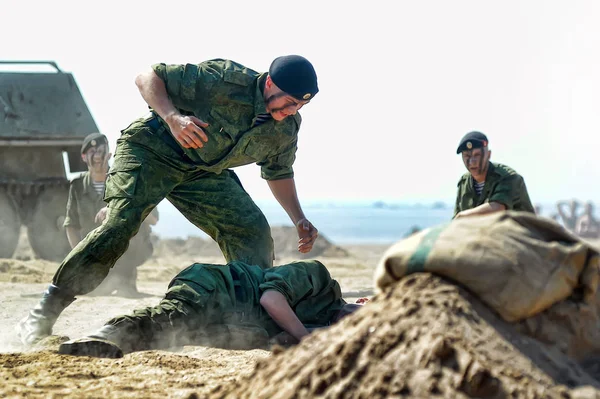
[(262, 118), (99, 187), (479, 187)]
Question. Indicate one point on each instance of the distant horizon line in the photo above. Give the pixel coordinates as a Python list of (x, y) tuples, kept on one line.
[(395, 201)]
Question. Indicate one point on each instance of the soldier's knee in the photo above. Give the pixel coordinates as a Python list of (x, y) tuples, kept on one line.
[(124, 222)]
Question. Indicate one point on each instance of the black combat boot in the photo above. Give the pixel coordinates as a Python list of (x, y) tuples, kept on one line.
[(110, 341), (38, 324)]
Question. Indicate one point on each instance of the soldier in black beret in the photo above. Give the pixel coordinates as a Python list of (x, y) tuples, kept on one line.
[(487, 187), (205, 120), (294, 75)]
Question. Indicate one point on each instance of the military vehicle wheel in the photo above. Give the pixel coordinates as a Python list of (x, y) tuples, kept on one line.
[(10, 225), (47, 236)]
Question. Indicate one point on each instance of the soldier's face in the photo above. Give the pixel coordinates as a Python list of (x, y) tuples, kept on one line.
[(94, 156), (476, 161), (280, 104)]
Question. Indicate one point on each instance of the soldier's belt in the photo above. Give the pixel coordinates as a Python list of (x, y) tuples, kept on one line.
[(154, 123)]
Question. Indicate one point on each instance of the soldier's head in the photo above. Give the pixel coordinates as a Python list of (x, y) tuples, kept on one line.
[(475, 151), (291, 84), (94, 150)]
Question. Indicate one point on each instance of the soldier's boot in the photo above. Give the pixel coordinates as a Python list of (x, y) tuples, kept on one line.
[(88, 346), (40, 320), (110, 341)]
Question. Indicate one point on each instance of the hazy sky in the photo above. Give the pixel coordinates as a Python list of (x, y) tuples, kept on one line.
[(400, 81)]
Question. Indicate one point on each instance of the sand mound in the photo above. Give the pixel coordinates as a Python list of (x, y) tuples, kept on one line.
[(423, 338), (285, 240)]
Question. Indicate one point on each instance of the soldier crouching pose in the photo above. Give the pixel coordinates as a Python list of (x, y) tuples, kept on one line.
[(294, 298)]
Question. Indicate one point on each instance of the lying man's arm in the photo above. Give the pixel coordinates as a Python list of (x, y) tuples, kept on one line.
[(280, 311)]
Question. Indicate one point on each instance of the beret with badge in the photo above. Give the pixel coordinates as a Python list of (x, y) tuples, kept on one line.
[(294, 75), (93, 140), (472, 140)]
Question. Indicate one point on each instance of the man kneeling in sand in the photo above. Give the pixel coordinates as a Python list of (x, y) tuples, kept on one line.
[(293, 298)]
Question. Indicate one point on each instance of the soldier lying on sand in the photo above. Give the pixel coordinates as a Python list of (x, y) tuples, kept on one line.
[(293, 298)]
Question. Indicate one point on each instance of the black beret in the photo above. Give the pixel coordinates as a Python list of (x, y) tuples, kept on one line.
[(294, 75), (472, 140), (93, 140)]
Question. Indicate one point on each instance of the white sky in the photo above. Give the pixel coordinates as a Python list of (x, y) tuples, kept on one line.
[(400, 81)]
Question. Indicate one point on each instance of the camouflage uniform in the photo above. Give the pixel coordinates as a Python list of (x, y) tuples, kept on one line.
[(502, 184), (204, 296), (82, 206), (150, 165)]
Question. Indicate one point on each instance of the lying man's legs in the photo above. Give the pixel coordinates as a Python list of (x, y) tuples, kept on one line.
[(179, 319), (207, 296)]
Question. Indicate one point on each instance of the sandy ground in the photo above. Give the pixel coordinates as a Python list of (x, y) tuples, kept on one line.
[(182, 372), (426, 337)]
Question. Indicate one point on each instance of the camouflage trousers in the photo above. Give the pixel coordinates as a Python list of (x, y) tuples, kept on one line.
[(189, 314), (125, 271), (141, 177)]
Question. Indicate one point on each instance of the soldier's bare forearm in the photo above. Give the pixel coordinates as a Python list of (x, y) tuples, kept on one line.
[(284, 191), (154, 92)]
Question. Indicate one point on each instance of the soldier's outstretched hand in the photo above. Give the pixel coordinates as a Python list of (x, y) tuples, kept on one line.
[(308, 235), (187, 130)]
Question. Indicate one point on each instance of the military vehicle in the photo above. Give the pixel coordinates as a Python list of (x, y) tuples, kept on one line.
[(43, 117)]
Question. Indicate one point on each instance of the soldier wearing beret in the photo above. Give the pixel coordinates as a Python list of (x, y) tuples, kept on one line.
[(205, 119), (86, 210), (487, 187), (204, 299)]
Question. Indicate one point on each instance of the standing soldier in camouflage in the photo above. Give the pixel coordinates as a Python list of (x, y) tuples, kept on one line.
[(85, 212), (205, 119), (488, 187)]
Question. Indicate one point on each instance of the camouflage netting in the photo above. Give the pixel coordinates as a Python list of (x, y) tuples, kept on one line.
[(424, 337)]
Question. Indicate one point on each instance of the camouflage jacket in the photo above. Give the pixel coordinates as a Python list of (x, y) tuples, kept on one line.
[(236, 289), (229, 97), (502, 184)]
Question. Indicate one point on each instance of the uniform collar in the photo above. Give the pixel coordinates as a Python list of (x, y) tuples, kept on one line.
[(260, 107)]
